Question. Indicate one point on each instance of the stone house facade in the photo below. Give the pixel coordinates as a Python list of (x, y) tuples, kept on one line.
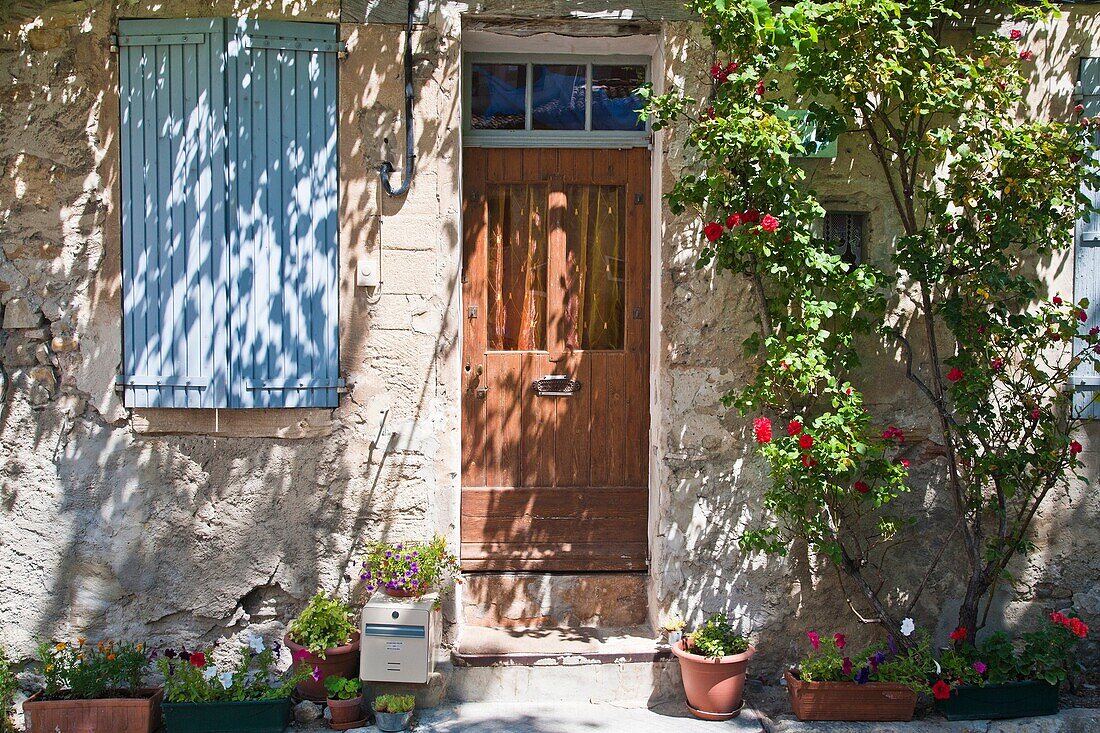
[(192, 523)]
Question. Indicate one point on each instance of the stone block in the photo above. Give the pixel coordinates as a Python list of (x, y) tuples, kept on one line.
[(46, 39), (19, 313)]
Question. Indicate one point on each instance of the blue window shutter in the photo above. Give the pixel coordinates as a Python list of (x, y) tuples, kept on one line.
[(284, 249), (1086, 265), (174, 257)]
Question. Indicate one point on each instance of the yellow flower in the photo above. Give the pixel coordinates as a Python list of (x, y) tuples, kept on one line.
[(49, 668), (60, 646), (140, 646)]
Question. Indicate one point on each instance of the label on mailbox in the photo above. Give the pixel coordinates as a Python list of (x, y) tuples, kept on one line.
[(395, 646)]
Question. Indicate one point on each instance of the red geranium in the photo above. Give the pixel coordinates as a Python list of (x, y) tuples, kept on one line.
[(893, 433), (762, 429), (904, 462), (713, 230), (198, 659), (958, 634), (806, 441), (794, 427), (941, 690)]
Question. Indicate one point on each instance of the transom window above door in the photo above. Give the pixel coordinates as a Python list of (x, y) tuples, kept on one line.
[(572, 101)]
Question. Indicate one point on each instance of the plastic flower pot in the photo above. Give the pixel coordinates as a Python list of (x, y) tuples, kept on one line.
[(874, 701), (342, 661), (346, 713), (1025, 699), (714, 686), (247, 716), (138, 713), (392, 722)]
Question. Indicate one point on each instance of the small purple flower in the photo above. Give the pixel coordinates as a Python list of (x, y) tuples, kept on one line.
[(863, 676), (153, 655), (415, 553), (891, 644), (876, 659), (363, 576), (388, 554), (316, 674), (980, 667), (400, 546), (370, 588), (170, 653), (185, 656)]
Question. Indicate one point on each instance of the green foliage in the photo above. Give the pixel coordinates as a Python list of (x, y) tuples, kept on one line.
[(832, 661), (83, 671), (394, 703), (981, 197), (410, 567), (325, 623), (715, 637), (8, 687), (342, 688), (251, 675)]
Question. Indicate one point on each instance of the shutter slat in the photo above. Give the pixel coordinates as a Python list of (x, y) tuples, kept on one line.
[(1086, 265), (285, 342), (170, 248)]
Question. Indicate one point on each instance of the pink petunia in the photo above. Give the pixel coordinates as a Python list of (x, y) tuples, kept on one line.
[(815, 639)]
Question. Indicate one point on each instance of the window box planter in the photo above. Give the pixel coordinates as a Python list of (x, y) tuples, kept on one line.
[(247, 716), (139, 713), (1025, 699), (714, 686), (874, 701)]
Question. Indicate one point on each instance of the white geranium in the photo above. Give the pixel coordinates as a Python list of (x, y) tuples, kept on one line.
[(908, 627)]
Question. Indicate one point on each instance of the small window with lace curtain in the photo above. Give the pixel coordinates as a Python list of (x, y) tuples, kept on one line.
[(846, 230)]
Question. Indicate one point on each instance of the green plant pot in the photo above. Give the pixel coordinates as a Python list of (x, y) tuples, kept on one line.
[(249, 716), (1012, 700)]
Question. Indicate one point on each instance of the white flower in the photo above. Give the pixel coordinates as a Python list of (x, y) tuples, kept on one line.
[(939, 669), (908, 627), (226, 679), (210, 672), (256, 643)]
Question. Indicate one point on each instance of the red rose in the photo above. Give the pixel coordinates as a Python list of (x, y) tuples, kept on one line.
[(711, 113), (760, 88), (1079, 108), (1027, 55), (1094, 331), (1015, 34), (1082, 316), (904, 462), (715, 71), (1075, 448), (733, 220), (958, 634), (955, 374), (806, 441), (731, 67), (794, 427), (762, 429), (808, 460), (198, 659), (861, 487), (941, 690), (998, 364), (1057, 300), (712, 231), (1035, 414), (769, 223), (751, 216)]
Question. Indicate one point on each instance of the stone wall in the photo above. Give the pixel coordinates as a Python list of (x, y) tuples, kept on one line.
[(187, 527)]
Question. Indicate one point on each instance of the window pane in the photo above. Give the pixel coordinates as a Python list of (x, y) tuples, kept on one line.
[(595, 269), (497, 96), (614, 102), (558, 97), (517, 267), (845, 229)]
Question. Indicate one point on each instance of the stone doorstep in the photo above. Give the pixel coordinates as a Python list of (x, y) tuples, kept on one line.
[(481, 646)]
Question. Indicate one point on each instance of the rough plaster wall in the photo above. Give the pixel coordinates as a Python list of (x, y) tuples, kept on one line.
[(709, 480), (184, 538)]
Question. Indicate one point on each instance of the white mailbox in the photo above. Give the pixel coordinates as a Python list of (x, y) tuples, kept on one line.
[(398, 638)]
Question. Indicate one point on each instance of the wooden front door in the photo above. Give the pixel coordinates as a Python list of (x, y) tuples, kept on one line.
[(555, 402)]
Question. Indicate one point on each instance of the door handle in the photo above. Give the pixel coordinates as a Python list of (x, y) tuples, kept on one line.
[(475, 377)]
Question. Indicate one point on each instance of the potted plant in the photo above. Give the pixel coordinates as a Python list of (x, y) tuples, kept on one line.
[(8, 686), (245, 694), (325, 633), (345, 702), (998, 679), (392, 713), (713, 661), (408, 569), (94, 687), (875, 684)]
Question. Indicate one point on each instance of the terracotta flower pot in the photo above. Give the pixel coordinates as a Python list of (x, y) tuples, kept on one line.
[(877, 701), (407, 593), (140, 713), (714, 686), (345, 712), (341, 660)]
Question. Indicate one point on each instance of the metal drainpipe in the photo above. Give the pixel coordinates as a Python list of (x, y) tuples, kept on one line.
[(387, 168)]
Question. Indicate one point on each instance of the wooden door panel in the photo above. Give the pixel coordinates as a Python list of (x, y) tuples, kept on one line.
[(558, 483)]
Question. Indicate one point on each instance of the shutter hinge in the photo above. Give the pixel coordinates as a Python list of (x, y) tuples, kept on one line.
[(114, 42), (342, 50)]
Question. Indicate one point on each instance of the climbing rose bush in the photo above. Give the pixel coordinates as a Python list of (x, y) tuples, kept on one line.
[(981, 194)]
